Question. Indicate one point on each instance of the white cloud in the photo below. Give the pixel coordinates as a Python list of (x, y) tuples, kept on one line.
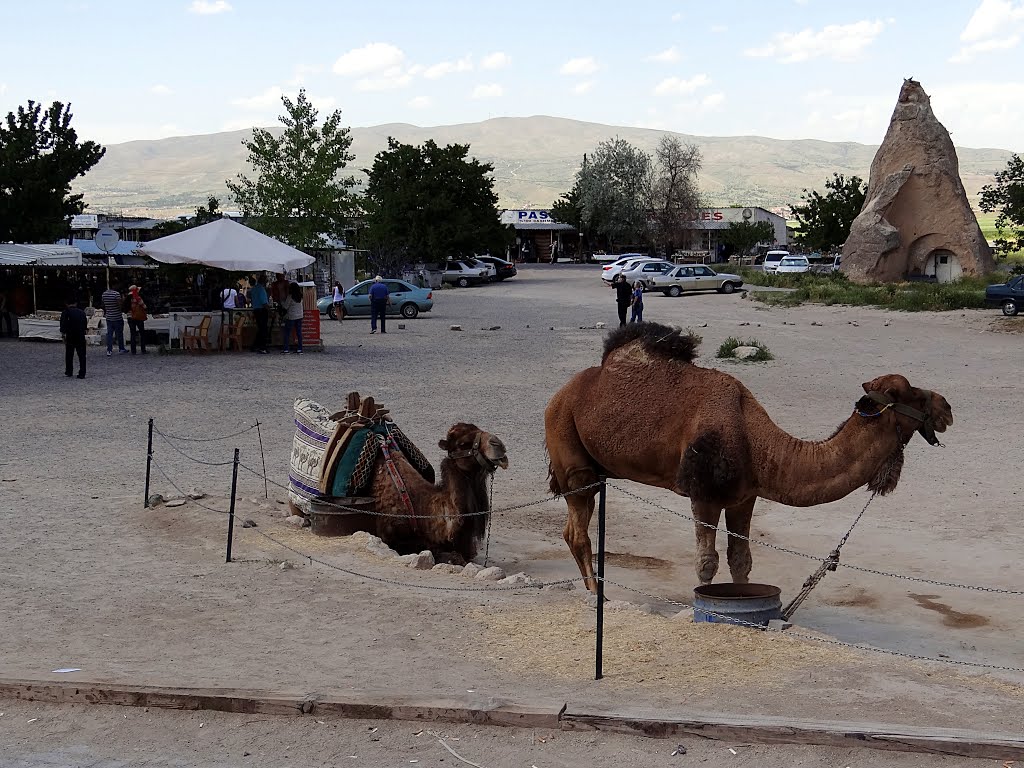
[(489, 91), (301, 72), (388, 80), (370, 59), (712, 101), (841, 120), (813, 97), (982, 114), (581, 66), (668, 56), (676, 17), (3, 88), (995, 25), (443, 68), (269, 98), (159, 89), (678, 85), (584, 87), (496, 60), (842, 42), (419, 102), (209, 7)]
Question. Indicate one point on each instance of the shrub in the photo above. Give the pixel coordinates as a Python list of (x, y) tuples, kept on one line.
[(728, 350)]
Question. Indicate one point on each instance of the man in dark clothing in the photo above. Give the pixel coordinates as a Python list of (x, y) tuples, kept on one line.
[(378, 304), (623, 296), (73, 325), (261, 313)]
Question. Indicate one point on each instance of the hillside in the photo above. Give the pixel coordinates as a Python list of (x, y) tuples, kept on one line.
[(534, 161)]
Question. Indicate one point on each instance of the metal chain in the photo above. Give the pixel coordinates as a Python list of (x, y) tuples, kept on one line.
[(184, 494), (813, 638), (859, 568), (203, 439), (192, 458)]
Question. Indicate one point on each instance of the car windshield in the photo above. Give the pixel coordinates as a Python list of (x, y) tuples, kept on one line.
[(793, 262)]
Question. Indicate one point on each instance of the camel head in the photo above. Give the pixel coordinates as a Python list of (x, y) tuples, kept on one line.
[(912, 409), (471, 448)]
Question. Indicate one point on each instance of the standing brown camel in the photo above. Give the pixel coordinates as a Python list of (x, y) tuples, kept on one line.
[(450, 517), (648, 414)]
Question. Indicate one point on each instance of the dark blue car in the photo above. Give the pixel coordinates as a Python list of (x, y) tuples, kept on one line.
[(1008, 295)]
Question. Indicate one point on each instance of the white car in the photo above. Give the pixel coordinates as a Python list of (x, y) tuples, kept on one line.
[(609, 272), (464, 272), (693, 277), (772, 260), (645, 270), (793, 265)]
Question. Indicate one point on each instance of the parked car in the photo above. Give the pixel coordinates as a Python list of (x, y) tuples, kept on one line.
[(503, 269), (609, 272), (1008, 295), (772, 259), (642, 270), (464, 272), (601, 257), (793, 265), (406, 300), (693, 277)]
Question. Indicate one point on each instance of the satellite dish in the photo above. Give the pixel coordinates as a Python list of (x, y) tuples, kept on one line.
[(747, 213), (106, 239)]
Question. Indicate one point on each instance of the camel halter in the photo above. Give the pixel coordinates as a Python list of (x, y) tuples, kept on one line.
[(476, 453), (927, 429)]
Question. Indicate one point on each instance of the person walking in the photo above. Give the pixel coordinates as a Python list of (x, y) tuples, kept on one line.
[(292, 316), (339, 302), (137, 318), (261, 313), (73, 325), (638, 303), (113, 317), (623, 296), (379, 301)]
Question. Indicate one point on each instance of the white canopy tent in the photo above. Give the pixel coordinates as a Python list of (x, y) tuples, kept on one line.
[(226, 244)]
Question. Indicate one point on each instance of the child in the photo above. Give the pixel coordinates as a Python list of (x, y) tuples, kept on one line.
[(638, 303), (73, 325)]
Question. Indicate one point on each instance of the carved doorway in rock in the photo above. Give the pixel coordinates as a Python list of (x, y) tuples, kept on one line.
[(943, 265)]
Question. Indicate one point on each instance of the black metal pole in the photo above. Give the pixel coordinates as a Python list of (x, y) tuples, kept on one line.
[(149, 462), (266, 491), (598, 656), (231, 512)]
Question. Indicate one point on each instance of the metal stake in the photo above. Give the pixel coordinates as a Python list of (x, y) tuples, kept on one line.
[(599, 652), (149, 461), (231, 512), (266, 492)]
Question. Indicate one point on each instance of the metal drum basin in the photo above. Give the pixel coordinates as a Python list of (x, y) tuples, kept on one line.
[(326, 519), (741, 604)]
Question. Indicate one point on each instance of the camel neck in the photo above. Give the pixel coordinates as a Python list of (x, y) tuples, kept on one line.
[(805, 473)]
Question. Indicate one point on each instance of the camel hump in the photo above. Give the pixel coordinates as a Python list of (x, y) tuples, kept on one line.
[(664, 341)]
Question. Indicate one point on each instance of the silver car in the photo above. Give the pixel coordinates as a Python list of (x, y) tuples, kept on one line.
[(693, 277)]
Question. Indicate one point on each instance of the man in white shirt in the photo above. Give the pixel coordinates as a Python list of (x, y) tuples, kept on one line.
[(227, 297)]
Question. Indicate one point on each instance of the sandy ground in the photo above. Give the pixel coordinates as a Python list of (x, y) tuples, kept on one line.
[(92, 580)]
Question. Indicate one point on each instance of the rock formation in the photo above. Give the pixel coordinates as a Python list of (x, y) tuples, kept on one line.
[(916, 220)]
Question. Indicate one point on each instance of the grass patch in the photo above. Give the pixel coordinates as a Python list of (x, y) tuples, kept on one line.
[(835, 288), (727, 350)]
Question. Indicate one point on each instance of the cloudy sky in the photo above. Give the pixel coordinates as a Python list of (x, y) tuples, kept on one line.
[(784, 69)]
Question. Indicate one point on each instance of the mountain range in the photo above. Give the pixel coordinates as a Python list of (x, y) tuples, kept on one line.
[(534, 161)]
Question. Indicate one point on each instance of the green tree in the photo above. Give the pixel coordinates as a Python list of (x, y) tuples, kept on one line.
[(298, 194), (744, 235), (1007, 197), (204, 215), (430, 203), (615, 192), (40, 156), (825, 220)]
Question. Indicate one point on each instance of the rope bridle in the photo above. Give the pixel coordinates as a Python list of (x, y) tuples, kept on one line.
[(927, 428), (475, 452)]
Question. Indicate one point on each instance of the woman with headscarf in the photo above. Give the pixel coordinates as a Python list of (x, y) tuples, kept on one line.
[(137, 318), (293, 311)]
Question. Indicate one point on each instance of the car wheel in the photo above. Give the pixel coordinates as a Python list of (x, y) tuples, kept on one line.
[(409, 311), (1010, 308), (728, 288), (462, 282), (674, 291), (331, 313)]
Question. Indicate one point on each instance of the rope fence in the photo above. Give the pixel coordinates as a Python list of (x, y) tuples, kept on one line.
[(600, 579)]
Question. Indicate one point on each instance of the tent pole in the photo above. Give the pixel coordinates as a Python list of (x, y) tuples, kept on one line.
[(35, 308)]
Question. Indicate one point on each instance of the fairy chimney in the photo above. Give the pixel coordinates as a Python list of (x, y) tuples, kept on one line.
[(916, 220)]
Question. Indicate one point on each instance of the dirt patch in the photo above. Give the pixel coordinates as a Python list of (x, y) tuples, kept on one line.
[(950, 617), (854, 598), (640, 562), (1007, 325)]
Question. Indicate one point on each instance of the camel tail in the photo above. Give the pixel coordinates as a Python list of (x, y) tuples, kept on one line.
[(709, 472)]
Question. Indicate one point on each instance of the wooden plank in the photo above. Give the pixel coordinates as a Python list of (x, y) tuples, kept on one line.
[(482, 710), (774, 730)]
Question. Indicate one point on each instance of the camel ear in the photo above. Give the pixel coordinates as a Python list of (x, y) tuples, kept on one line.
[(442, 444)]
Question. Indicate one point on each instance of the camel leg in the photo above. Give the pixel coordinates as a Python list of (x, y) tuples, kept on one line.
[(737, 520), (576, 532), (707, 557)]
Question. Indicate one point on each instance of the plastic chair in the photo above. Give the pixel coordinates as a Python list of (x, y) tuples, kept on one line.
[(233, 332), (197, 336)]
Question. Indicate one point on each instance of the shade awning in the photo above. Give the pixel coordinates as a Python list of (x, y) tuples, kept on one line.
[(13, 254), (226, 244)]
